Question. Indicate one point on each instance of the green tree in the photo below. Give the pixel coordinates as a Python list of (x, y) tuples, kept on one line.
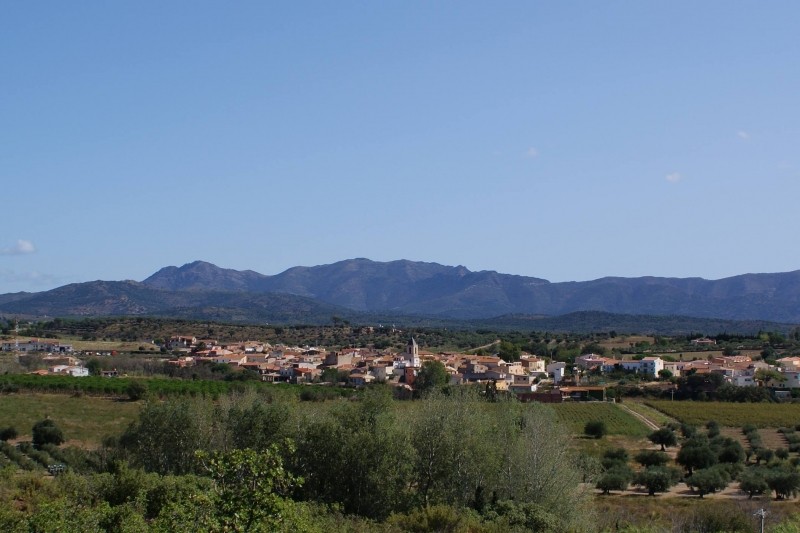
[(432, 375), (508, 351), (8, 433), (785, 483), (655, 479), (136, 390), (764, 376), (453, 448), (251, 488), (329, 375), (753, 482), (663, 437), (708, 480), (648, 458), (251, 423), (695, 454), (166, 435), (94, 367), (731, 452), (359, 456), (613, 480), (595, 429), (47, 432)]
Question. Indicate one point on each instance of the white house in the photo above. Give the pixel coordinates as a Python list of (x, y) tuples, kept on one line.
[(649, 365), (36, 345), (557, 369)]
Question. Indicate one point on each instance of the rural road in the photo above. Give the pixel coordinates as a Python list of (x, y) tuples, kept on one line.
[(647, 422)]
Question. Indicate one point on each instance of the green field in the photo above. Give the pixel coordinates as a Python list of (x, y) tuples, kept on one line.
[(84, 420), (648, 412), (762, 415), (618, 422)]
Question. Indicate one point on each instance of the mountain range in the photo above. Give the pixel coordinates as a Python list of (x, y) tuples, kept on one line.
[(361, 288)]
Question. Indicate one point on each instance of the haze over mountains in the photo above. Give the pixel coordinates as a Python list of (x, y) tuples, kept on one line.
[(358, 288)]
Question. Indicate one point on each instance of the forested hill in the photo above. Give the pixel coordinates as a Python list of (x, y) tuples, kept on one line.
[(365, 291), (431, 289)]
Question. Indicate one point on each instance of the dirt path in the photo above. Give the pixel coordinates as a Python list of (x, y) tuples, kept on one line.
[(647, 422), (485, 346)]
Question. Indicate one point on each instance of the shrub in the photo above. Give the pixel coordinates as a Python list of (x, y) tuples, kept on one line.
[(47, 432), (136, 390), (595, 429), (8, 433)]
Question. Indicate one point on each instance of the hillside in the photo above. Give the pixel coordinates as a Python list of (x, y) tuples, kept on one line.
[(430, 289), (130, 298), (409, 291)]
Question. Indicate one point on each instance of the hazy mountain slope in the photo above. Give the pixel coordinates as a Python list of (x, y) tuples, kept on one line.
[(415, 288), (114, 298), (431, 289), (200, 275)]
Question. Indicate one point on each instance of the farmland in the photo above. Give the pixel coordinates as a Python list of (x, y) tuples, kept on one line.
[(763, 415), (85, 419), (617, 421)]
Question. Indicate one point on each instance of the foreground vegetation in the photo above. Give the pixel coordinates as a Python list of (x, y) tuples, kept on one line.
[(179, 465), (249, 461)]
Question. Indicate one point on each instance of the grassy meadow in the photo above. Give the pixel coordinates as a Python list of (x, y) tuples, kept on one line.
[(85, 420)]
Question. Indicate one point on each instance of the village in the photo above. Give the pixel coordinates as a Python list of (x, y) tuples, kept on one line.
[(530, 378)]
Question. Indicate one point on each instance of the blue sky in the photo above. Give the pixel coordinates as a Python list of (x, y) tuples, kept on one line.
[(563, 140)]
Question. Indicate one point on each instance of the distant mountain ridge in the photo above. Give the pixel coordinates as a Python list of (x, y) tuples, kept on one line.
[(359, 289), (431, 289), (131, 298)]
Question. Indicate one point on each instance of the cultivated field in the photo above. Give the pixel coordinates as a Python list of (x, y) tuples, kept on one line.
[(655, 416), (618, 422), (763, 415)]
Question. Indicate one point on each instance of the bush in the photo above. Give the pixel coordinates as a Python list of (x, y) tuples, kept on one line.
[(595, 429), (136, 390), (8, 433), (47, 432)]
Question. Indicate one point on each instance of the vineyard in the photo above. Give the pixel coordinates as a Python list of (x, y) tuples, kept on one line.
[(26, 457), (763, 415), (617, 421), (161, 387)]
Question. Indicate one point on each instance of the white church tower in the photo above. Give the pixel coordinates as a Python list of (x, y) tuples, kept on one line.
[(412, 354)]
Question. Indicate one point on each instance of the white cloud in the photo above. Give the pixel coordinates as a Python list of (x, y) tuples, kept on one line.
[(22, 247), (532, 153), (674, 177), (743, 135)]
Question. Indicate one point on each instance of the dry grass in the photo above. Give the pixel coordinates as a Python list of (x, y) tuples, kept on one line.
[(99, 346), (625, 341)]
